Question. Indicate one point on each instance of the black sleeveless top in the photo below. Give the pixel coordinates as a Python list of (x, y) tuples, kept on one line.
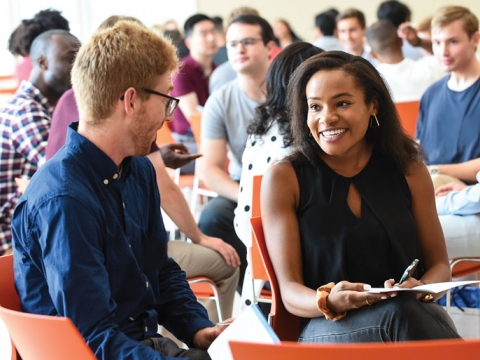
[(336, 245)]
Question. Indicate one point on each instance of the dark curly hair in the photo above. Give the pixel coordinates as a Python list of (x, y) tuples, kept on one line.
[(277, 78), (22, 37), (389, 139)]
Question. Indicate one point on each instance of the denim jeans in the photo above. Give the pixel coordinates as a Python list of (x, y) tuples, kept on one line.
[(401, 318)]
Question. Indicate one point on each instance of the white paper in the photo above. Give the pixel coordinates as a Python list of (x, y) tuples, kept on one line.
[(251, 326), (428, 288)]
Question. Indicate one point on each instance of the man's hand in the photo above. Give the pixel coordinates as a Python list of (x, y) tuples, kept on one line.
[(407, 32), (226, 250), (203, 338), (445, 189), (176, 155)]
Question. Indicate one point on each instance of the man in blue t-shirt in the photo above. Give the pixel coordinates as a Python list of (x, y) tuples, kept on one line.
[(448, 124)]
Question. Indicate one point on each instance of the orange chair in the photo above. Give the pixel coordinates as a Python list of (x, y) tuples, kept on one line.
[(40, 337), (285, 325), (256, 271), (199, 187), (432, 349), (8, 294), (462, 266), (8, 85), (37, 337), (164, 136), (408, 112), (205, 288)]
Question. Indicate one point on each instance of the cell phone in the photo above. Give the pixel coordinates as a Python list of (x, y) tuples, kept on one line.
[(409, 271)]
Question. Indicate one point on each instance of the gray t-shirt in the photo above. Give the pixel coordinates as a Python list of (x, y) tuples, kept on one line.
[(226, 115)]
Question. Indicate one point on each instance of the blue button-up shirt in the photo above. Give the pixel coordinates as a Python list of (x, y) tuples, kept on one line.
[(90, 244)]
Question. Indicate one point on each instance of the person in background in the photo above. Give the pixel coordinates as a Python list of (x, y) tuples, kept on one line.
[(351, 27), (458, 207), (284, 34), (407, 79), (191, 81), (325, 27), (448, 125), (269, 138), (226, 116), (221, 55), (399, 15), (22, 38), (25, 119), (224, 72), (89, 238), (356, 207)]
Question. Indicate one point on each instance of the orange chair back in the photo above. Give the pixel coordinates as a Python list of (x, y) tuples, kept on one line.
[(408, 112), (196, 125), (37, 337), (285, 325), (431, 349), (462, 266), (40, 337), (8, 294), (258, 269), (164, 136)]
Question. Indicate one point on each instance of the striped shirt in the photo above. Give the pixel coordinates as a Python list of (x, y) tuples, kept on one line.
[(24, 126)]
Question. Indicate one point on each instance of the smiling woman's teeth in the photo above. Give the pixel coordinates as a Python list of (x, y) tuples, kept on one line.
[(330, 133)]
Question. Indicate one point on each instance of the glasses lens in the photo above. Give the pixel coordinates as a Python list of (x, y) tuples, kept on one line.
[(171, 106)]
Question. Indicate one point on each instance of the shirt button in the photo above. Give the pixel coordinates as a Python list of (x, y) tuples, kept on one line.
[(131, 318), (105, 182), (123, 205), (115, 176), (147, 284), (130, 246), (146, 329)]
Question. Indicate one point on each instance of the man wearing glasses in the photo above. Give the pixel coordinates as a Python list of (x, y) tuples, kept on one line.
[(89, 240), (226, 115)]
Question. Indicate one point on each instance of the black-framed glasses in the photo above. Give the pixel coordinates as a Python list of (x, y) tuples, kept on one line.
[(172, 102)]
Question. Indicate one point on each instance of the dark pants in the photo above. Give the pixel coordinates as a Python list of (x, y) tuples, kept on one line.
[(216, 220), (167, 347)]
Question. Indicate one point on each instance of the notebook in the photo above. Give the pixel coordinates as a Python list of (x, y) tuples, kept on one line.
[(250, 325)]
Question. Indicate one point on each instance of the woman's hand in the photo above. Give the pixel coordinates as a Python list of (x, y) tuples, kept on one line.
[(347, 296)]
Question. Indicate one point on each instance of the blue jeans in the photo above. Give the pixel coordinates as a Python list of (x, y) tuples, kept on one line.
[(401, 318)]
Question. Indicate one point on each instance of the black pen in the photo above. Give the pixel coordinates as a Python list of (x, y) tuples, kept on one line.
[(409, 271)]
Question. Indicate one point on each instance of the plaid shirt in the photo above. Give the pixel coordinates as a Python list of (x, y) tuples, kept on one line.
[(24, 126)]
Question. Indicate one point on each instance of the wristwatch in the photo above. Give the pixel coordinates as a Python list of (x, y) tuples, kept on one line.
[(434, 170)]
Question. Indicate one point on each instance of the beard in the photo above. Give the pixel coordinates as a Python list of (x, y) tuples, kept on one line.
[(143, 133)]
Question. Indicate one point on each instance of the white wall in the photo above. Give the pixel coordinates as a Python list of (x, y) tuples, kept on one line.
[(86, 15), (301, 13)]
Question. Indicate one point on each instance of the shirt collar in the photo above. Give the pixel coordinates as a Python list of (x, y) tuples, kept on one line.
[(100, 162), (32, 91)]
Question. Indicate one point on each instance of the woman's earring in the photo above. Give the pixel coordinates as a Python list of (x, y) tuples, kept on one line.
[(374, 121), (310, 134)]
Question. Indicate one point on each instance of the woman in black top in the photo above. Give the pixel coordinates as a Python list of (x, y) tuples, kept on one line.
[(351, 209)]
